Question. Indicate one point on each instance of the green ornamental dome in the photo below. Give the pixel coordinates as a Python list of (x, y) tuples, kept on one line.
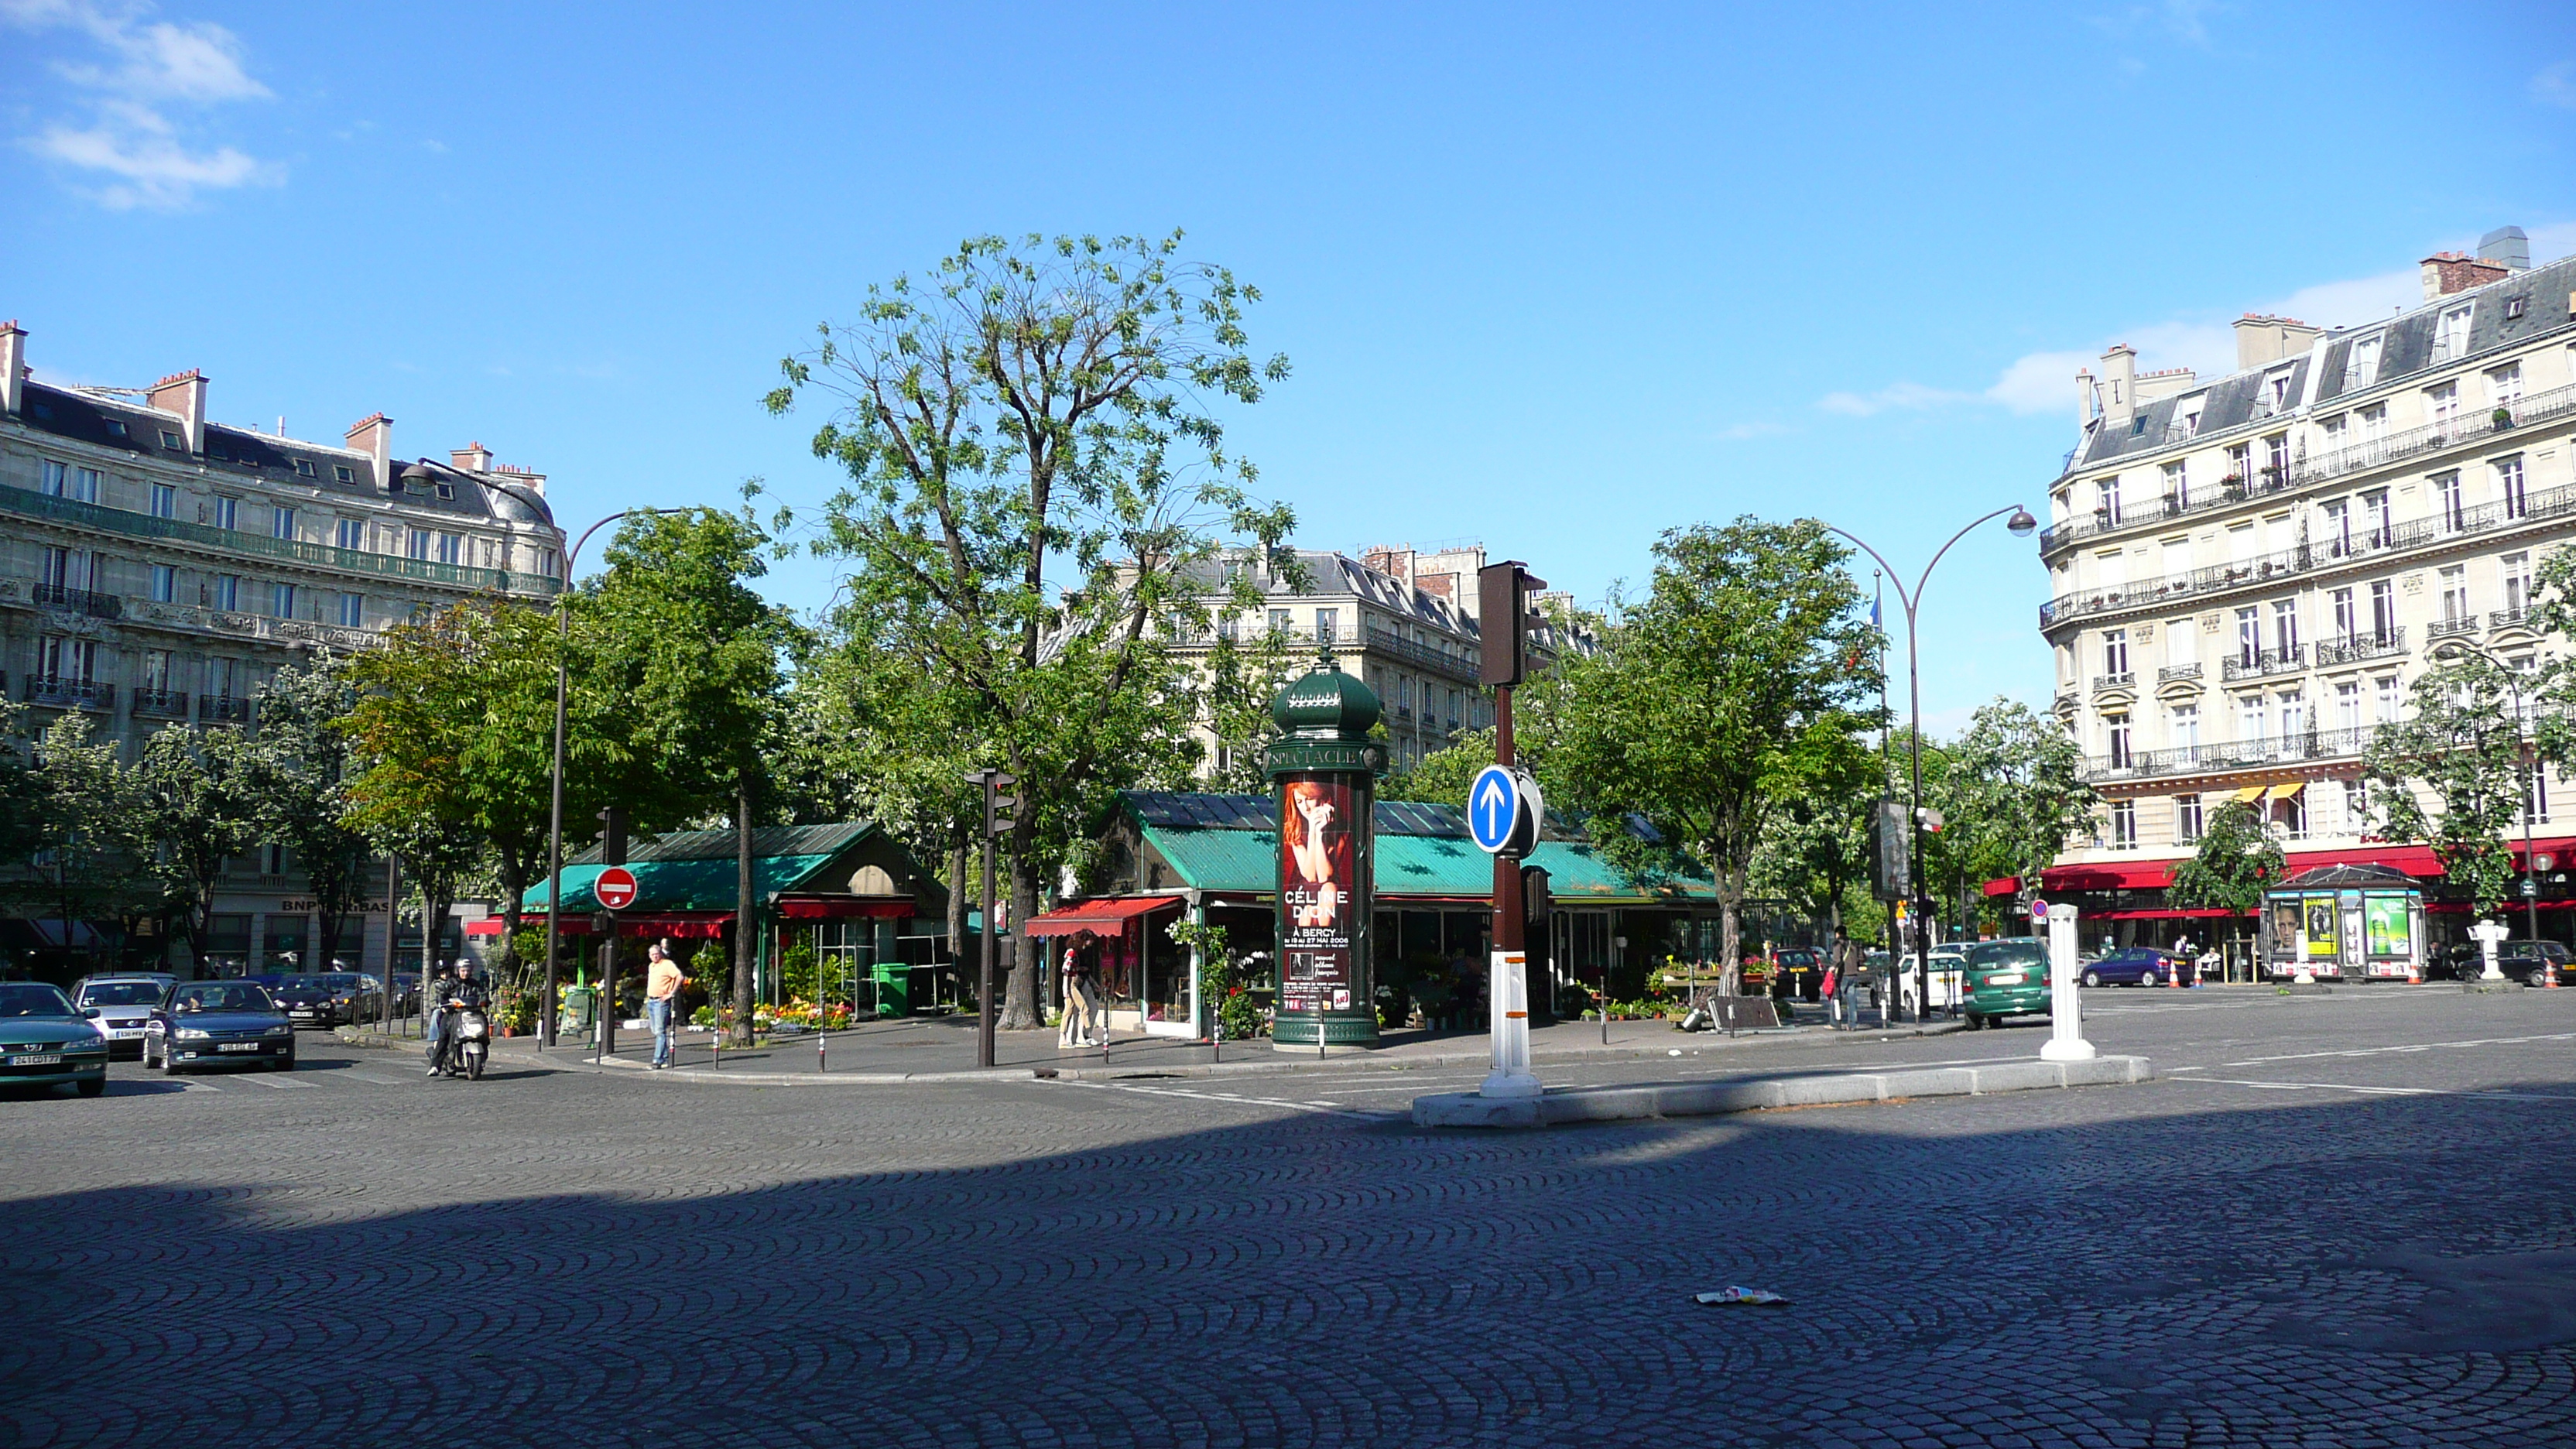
[(1326, 703)]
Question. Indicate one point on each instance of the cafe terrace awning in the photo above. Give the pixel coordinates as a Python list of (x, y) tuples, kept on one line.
[(1102, 917)]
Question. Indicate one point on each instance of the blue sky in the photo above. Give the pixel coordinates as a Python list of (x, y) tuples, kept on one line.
[(1555, 279)]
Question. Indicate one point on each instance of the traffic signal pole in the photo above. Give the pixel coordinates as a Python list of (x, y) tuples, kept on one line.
[(1502, 624), (1001, 815)]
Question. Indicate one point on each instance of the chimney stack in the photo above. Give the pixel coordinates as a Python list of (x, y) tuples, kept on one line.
[(2444, 273), (2088, 398), (13, 367), (2120, 383), (373, 435), (2508, 245), (2261, 339), (472, 458), (183, 393)]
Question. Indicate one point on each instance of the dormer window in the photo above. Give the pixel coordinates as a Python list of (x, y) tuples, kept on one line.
[(304, 467), (117, 431), (447, 491), (340, 472), (2362, 368), (171, 441)]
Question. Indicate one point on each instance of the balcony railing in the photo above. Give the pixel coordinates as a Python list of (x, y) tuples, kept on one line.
[(2125, 679), (2452, 628), (70, 693), (170, 702), (2361, 647), (2172, 672), (1420, 655), (2307, 745), (223, 709), (31, 504), (82, 601), (2508, 618), (2258, 663), (2351, 458), (2309, 557)]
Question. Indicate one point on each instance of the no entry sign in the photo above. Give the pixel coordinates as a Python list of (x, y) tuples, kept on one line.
[(615, 888)]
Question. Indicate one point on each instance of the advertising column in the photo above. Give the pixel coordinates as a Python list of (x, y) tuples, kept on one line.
[(1325, 770)]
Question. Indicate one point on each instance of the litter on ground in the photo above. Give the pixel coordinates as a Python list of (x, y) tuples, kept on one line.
[(1759, 1297)]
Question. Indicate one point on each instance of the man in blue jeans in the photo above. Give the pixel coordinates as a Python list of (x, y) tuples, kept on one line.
[(662, 983)]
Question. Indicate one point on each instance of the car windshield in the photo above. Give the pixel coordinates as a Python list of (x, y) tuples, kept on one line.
[(28, 998), (120, 993), (219, 996), (2005, 953)]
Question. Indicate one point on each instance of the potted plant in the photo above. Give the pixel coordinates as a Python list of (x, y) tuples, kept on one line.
[(2503, 419)]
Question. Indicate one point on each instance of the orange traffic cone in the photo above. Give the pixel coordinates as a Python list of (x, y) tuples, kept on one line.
[(2414, 973), (2173, 972), (2551, 975)]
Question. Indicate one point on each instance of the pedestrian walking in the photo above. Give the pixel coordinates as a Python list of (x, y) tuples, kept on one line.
[(1086, 1017), (662, 983)]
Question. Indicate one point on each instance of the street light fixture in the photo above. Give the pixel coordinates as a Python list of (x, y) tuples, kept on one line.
[(2522, 750), (554, 830), (2021, 524)]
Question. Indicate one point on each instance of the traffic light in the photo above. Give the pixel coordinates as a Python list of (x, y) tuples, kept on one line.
[(1502, 622), (1001, 812), (612, 836)]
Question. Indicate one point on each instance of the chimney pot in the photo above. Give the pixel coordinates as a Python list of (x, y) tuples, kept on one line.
[(13, 367), (472, 458), (183, 393), (373, 435)]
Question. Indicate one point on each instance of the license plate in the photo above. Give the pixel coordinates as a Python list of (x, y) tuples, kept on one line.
[(2010, 978), (304, 1011), (237, 1046), (37, 1059), (125, 1031)]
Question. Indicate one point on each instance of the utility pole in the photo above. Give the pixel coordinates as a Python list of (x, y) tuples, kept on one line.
[(1502, 615), (1001, 817), (603, 1007)]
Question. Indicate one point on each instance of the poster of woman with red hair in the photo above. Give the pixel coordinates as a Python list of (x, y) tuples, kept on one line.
[(1317, 876)]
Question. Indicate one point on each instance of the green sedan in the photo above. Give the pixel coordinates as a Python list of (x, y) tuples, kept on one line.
[(2006, 978), (44, 1042)]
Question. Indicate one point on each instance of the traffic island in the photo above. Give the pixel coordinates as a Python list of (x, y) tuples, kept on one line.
[(1710, 1099)]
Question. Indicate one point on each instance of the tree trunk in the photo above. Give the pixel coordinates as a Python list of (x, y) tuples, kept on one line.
[(957, 893), (744, 1008), (1730, 935), (1020, 1011)]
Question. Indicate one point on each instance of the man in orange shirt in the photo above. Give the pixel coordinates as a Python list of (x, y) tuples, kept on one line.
[(662, 983)]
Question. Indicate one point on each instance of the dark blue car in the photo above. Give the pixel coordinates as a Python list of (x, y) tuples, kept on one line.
[(218, 1023), (2141, 966)]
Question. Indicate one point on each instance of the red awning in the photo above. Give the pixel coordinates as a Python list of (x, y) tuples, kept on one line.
[(2142, 875), (701, 924), (2415, 860), (1098, 917), (2007, 886), (2176, 914)]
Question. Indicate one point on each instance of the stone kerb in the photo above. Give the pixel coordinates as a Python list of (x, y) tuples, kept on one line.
[(1708, 1099)]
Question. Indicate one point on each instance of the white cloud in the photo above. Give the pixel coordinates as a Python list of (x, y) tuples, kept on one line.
[(148, 65), (2556, 85)]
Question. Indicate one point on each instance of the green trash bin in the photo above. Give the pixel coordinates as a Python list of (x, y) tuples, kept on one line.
[(893, 988)]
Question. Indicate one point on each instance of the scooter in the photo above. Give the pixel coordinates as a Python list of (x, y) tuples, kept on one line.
[(473, 1040)]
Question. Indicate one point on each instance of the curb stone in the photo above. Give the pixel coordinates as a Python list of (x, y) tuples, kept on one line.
[(1706, 1099)]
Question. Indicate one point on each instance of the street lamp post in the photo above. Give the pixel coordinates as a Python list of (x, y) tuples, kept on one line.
[(554, 828), (2021, 524), (2523, 752)]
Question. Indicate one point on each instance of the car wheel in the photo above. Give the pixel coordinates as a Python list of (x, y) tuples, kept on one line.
[(2092, 978), (94, 1086), (169, 1061)]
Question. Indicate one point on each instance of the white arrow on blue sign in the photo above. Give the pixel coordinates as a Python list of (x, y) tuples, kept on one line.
[(1494, 809)]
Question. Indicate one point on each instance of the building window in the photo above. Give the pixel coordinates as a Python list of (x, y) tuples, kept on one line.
[(2455, 594), (2106, 507), (2250, 720), (2177, 486), (1278, 617), (2385, 699), (156, 670), (2348, 704), (222, 678), (2361, 369), (272, 860), (451, 548), (304, 467), (1328, 623), (2516, 571), (227, 511), (2124, 825), (74, 660), (2183, 728), (2347, 621), (281, 600), (224, 591), (2356, 807), (57, 479), (2115, 727), (2508, 482), (2383, 612), (340, 472), (2179, 646), (2276, 458), (281, 523), (165, 584), (67, 568), (353, 611), (546, 562), (2285, 628), (2535, 796), (1228, 626), (2187, 824), (2449, 506), (2444, 402), (2504, 385), (2240, 464), (349, 534), (165, 501), (417, 545), (2451, 335), (2249, 637), (2115, 652), (2294, 713)]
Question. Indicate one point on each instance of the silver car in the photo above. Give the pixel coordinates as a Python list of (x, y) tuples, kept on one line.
[(118, 1003)]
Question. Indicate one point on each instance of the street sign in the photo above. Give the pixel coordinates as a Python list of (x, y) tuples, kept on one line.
[(1503, 809), (2038, 909), (615, 888)]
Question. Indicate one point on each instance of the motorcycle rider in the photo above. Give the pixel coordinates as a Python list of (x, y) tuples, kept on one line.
[(458, 994)]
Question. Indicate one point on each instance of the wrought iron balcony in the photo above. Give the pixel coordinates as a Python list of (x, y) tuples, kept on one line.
[(2172, 672), (2361, 646), (2452, 628), (2256, 664), (80, 601), (2508, 618), (70, 693), (2125, 679), (2297, 748), (223, 709), (170, 702)]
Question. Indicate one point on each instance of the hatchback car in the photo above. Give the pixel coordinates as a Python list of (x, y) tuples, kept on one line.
[(119, 1005), (329, 998), (45, 1041), (2006, 978), (2141, 966), (218, 1023), (2528, 962)]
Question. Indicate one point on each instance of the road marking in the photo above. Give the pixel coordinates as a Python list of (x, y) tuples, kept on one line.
[(188, 1086), (1229, 1099), (280, 1082), (379, 1081), (2389, 1091), (2384, 1051)]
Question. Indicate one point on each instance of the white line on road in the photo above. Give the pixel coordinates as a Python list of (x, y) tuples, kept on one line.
[(199, 1087), (1228, 1099), (280, 1082), (2382, 1051), (2385, 1091), (379, 1081)]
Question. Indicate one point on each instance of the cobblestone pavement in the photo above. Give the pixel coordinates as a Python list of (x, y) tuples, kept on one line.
[(2344, 1220)]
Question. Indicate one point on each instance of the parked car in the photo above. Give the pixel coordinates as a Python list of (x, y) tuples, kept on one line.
[(2528, 962), (119, 1003), (45, 1041), (329, 998), (218, 1023), (2007, 978), (2141, 966), (406, 992)]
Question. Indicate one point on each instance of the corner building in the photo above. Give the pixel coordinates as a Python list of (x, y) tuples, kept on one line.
[(157, 568), (2249, 572)]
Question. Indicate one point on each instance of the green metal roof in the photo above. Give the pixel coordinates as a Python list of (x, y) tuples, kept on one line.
[(767, 840), (705, 884), (1409, 865)]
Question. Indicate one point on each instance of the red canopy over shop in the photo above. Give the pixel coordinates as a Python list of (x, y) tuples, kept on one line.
[(1103, 917)]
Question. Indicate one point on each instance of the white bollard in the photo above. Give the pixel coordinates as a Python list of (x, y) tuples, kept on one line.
[(1507, 1022), (2066, 1041)]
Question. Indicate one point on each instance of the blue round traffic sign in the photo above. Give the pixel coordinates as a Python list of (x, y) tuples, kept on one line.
[(1494, 809)]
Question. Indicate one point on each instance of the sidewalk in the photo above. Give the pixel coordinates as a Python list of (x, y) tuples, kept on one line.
[(942, 1049)]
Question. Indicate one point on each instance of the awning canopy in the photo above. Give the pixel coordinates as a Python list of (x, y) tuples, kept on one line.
[(2108, 876), (2176, 913), (1102, 917), (2007, 886)]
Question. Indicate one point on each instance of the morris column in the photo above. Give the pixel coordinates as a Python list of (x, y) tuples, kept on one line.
[(1325, 769)]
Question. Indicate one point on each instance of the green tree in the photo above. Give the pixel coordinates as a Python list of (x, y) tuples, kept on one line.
[(90, 832), (1241, 680), (1814, 850), (1730, 689), (1036, 483), (2012, 792), (2237, 861), (2463, 746), (197, 804), (299, 767)]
